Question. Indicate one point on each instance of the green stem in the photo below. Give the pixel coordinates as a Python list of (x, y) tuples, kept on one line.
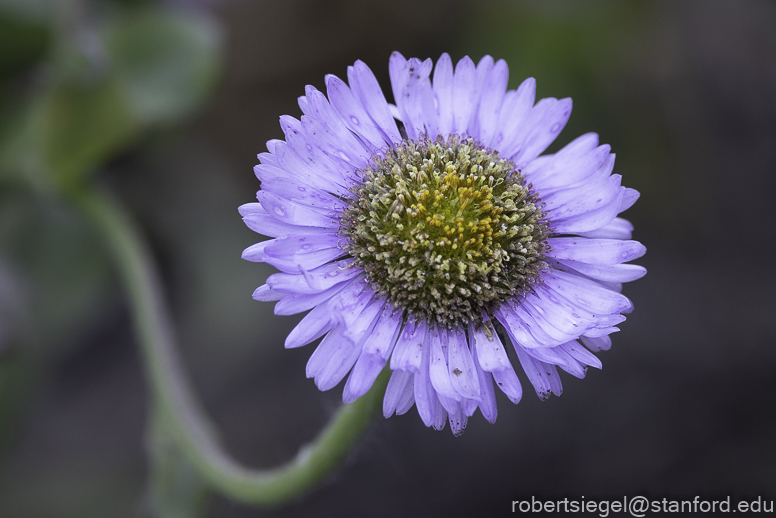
[(181, 413)]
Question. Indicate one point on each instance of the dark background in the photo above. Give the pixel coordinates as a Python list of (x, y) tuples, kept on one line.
[(685, 93)]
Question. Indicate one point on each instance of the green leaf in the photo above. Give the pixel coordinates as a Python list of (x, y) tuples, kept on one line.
[(165, 62), (81, 126)]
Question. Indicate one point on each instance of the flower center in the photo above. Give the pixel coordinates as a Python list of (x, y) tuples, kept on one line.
[(446, 229)]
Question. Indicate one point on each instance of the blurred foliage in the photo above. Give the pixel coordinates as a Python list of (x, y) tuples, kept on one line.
[(81, 83)]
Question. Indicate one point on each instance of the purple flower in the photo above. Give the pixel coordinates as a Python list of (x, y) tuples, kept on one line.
[(429, 234)]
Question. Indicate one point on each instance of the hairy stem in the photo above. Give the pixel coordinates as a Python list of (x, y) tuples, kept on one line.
[(180, 412)]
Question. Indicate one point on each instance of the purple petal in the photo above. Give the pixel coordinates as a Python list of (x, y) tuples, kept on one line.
[(266, 294), (491, 353), (601, 343), (507, 382), (399, 393), (464, 96), (515, 109), (609, 273), (461, 366), (298, 302), (294, 213), (443, 92), (618, 228), (367, 89), (545, 133), (293, 254), (332, 360), (257, 219), (581, 354), (313, 326), (487, 399), (586, 294), (543, 376), (629, 198), (363, 376), (408, 353), (352, 112), (429, 407), (595, 251), (257, 253), (561, 170), (457, 421), (493, 91), (438, 369), (314, 281)]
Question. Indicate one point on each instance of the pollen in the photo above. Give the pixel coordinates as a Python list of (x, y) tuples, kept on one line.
[(445, 229)]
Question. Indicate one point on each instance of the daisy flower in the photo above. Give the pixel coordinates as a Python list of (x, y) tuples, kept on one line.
[(429, 235)]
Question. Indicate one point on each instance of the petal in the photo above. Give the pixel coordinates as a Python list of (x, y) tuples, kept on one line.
[(629, 198), (438, 367), (293, 254), (609, 273), (514, 111), (313, 326), (565, 168), (544, 133), (543, 376), (464, 95), (362, 377), (266, 294), (491, 353), (601, 343), (352, 112), (367, 89), (298, 302), (256, 253), (374, 355), (493, 91), (581, 354), (429, 407), (332, 359), (399, 393), (257, 219), (411, 90), (618, 228), (408, 353), (594, 251), (461, 366), (443, 92), (295, 213), (457, 421), (507, 381), (586, 294), (487, 397), (304, 194), (314, 281)]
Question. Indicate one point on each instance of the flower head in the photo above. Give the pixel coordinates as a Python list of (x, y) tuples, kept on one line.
[(427, 234)]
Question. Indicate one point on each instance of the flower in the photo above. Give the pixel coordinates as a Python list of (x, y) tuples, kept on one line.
[(430, 233)]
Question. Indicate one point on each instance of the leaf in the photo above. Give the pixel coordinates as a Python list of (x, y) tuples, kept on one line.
[(165, 61), (83, 125)]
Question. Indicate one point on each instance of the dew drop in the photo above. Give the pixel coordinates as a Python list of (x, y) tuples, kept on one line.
[(280, 210), (354, 119)]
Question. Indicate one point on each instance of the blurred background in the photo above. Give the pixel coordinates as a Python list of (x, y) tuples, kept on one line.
[(168, 103)]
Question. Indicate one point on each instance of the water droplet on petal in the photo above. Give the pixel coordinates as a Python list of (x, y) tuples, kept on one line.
[(354, 119), (280, 210)]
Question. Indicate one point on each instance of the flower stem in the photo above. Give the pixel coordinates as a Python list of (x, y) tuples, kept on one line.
[(179, 410)]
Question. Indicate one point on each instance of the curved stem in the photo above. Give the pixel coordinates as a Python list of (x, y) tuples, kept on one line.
[(171, 390)]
